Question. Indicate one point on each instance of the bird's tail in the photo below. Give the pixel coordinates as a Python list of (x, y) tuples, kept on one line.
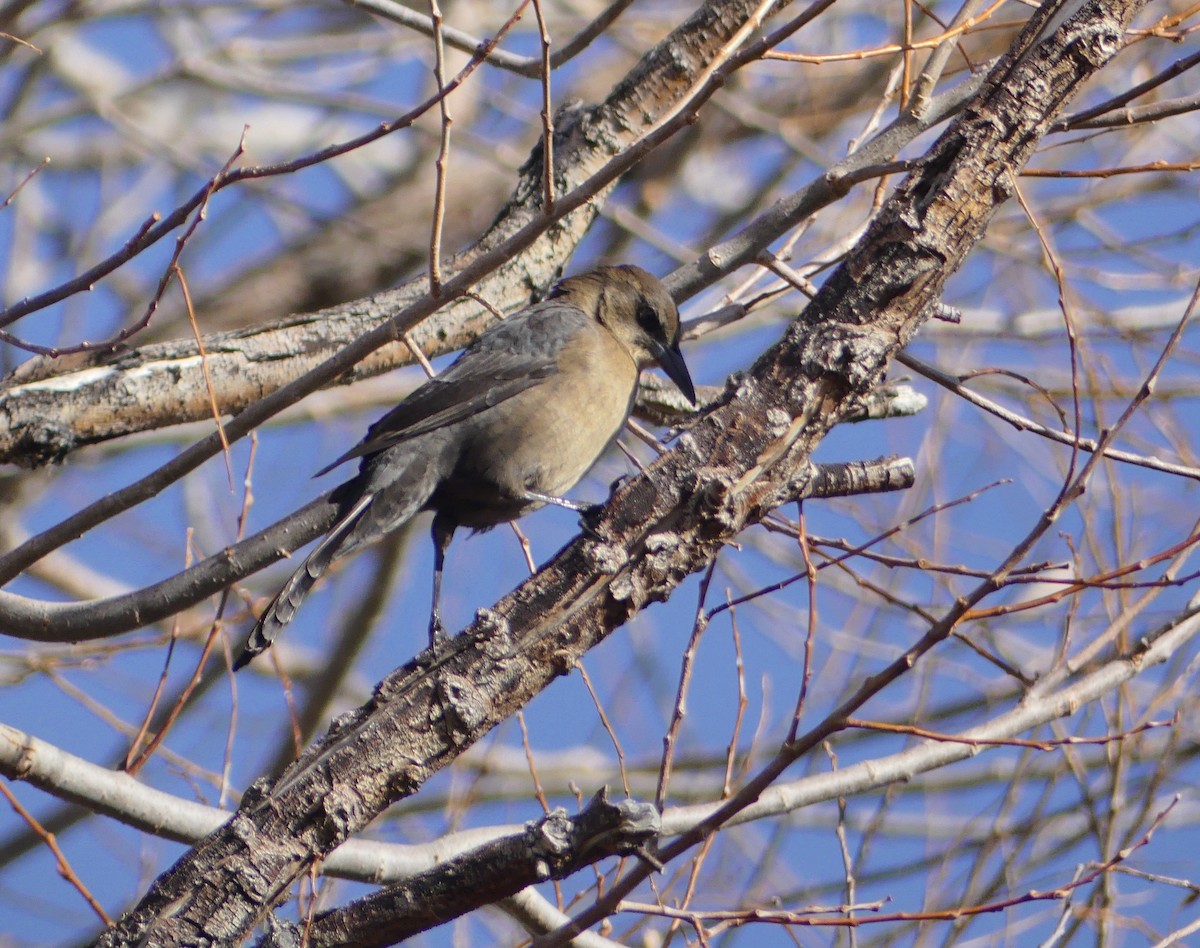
[(283, 607)]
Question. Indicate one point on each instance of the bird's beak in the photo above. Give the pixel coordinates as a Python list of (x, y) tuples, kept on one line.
[(671, 360)]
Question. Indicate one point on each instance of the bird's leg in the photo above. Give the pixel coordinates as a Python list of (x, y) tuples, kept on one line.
[(443, 532), (589, 517)]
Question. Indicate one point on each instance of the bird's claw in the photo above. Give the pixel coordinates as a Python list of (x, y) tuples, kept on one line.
[(589, 519), (619, 483), (437, 633)]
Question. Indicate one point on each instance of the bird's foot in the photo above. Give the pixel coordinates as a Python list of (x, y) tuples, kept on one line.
[(589, 519), (620, 482), (437, 633)]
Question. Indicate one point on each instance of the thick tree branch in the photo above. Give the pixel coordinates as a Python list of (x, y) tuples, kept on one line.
[(550, 848), (40, 620)]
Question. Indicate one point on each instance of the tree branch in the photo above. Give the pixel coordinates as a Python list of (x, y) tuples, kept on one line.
[(550, 848)]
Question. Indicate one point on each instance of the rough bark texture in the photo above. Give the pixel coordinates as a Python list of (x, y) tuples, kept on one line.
[(550, 848), (736, 465)]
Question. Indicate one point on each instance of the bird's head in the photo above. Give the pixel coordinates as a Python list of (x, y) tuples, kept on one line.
[(637, 309)]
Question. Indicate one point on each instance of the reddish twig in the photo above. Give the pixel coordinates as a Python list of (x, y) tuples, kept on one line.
[(63, 866)]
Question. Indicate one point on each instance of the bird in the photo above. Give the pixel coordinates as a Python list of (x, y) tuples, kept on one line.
[(510, 426)]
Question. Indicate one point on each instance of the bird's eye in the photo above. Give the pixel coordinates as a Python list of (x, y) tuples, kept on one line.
[(647, 318)]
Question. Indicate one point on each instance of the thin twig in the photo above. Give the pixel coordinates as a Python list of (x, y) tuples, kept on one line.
[(547, 113), (1022, 423), (527, 66), (24, 181), (443, 156), (810, 574), (679, 709), (607, 724), (418, 355), (887, 727), (133, 757), (64, 867), (172, 268), (891, 49), (208, 382), (1160, 165)]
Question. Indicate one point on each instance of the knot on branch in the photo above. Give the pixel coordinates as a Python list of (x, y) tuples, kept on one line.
[(1095, 44), (844, 356), (603, 828), (660, 556), (459, 708), (606, 557), (343, 811), (710, 487), (664, 562), (41, 442), (493, 632)]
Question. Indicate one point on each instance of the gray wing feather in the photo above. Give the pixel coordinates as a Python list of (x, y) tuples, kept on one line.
[(508, 359)]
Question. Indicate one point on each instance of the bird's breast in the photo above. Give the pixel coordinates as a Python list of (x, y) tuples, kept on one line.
[(547, 437)]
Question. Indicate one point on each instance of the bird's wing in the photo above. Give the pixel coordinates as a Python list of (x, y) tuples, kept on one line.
[(504, 361)]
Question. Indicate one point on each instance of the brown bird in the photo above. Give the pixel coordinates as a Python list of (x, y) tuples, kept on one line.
[(514, 423)]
